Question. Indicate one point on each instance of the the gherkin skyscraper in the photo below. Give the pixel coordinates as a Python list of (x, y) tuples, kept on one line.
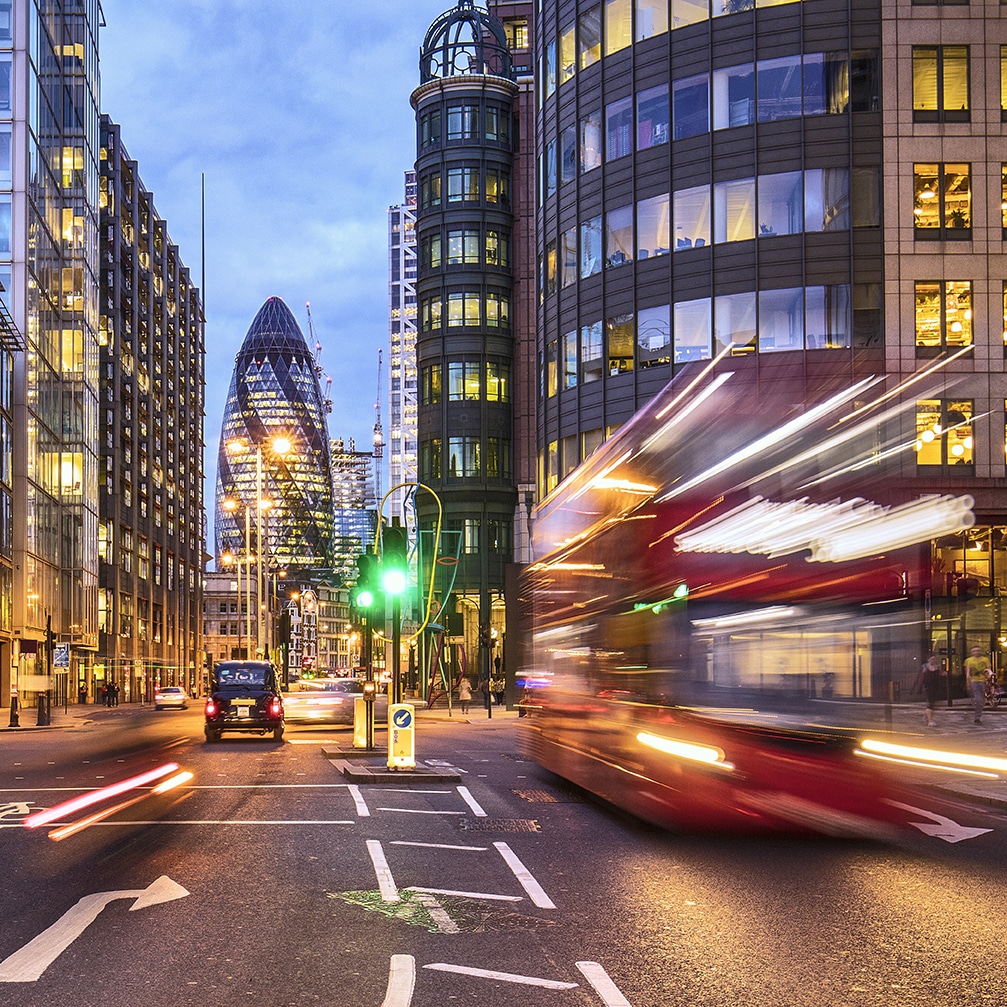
[(274, 437)]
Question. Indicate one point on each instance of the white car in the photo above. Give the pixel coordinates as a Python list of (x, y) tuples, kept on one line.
[(170, 697), (327, 701)]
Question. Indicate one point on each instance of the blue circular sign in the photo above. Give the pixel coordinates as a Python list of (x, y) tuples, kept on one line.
[(402, 718)]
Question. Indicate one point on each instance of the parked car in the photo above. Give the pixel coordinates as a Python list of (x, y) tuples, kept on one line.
[(244, 697), (327, 701), (170, 697)]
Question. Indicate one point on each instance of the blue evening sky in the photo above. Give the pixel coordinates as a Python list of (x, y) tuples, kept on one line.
[(298, 114)]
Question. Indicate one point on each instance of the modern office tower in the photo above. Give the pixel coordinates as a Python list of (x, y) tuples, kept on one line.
[(49, 141), (402, 352), (274, 475), (151, 519), (354, 507), (467, 172), (817, 188)]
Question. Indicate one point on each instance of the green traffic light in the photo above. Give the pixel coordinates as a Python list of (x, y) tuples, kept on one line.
[(394, 580), (365, 599)]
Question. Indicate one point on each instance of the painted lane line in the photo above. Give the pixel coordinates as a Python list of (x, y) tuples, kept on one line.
[(419, 811), (358, 799), (439, 846), (28, 963), (507, 977), (386, 883), (602, 984), (524, 876), (401, 981), (405, 790), (445, 925), (466, 895), (218, 821), (477, 810)]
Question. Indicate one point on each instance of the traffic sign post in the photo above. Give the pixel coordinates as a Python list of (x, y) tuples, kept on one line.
[(401, 736)]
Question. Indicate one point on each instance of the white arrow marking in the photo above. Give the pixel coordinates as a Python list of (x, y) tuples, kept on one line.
[(386, 883), (528, 883), (946, 828), (507, 977), (401, 981), (27, 964), (8, 810), (610, 994)]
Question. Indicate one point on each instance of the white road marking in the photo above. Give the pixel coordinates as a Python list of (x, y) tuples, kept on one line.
[(946, 828), (466, 895), (406, 790), (463, 792), (445, 925), (524, 876), (421, 811), (386, 883), (439, 846), (601, 981), (28, 963), (359, 802), (401, 981), (507, 977), (215, 821)]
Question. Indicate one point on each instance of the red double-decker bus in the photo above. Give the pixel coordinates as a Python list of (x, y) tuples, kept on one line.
[(722, 599)]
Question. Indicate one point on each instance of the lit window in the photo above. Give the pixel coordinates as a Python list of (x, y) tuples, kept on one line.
[(942, 201), (943, 315), (944, 432), (941, 83)]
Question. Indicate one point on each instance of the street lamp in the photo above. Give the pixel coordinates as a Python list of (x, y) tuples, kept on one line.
[(279, 446)]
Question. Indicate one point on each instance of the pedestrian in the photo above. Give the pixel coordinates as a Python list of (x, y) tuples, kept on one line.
[(82, 693), (103, 694), (524, 704), (931, 684), (498, 686), (464, 694), (977, 667), (115, 693)]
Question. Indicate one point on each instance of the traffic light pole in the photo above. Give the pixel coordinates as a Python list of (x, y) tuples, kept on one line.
[(366, 656)]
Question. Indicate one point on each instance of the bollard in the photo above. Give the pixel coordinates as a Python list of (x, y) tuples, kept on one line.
[(15, 721), (43, 712)]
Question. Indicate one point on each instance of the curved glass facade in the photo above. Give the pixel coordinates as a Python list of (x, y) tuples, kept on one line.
[(275, 393), (709, 179)]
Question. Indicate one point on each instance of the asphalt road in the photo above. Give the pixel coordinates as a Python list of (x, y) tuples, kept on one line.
[(267, 879)]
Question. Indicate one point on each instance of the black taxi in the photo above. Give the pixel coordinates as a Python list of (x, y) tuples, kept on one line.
[(245, 697)]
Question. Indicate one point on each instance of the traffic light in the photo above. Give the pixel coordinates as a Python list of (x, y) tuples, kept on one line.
[(485, 639), (365, 591), (394, 559)]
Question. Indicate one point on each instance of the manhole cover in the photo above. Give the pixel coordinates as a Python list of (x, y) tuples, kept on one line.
[(547, 796), (498, 825)]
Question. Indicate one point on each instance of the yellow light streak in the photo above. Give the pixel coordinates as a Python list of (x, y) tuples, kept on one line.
[(691, 751)]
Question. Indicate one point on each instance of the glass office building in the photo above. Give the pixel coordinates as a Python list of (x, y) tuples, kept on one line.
[(275, 393), (815, 189)]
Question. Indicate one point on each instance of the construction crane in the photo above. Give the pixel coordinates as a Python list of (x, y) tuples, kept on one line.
[(379, 437), (327, 396)]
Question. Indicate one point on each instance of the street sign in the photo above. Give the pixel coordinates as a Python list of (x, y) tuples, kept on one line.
[(61, 655), (401, 736)]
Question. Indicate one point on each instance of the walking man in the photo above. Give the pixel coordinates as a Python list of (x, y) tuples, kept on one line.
[(977, 667)]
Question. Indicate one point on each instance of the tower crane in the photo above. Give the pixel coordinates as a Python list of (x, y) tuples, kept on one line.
[(327, 396)]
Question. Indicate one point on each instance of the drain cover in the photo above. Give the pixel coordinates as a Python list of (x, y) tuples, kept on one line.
[(498, 825), (547, 796)]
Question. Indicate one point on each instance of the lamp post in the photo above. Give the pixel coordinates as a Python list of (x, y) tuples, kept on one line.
[(280, 446)]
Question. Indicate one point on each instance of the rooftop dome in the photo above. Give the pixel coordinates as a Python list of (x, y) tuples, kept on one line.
[(466, 40)]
